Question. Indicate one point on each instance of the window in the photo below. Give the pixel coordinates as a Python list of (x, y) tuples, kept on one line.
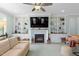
[(2, 27)]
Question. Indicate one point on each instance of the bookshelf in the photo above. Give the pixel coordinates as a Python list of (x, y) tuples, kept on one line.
[(57, 25)]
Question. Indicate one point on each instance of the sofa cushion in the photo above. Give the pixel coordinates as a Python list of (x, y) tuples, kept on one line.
[(24, 46), (21, 46), (14, 52), (13, 41), (23, 41), (4, 46), (20, 49)]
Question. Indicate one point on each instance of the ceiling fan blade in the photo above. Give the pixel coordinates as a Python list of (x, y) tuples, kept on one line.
[(38, 4), (42, 9), (33, 9), (46, 4), (28, 3)]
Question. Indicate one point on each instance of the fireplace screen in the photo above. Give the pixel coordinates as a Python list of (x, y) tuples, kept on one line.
[(39, 38)]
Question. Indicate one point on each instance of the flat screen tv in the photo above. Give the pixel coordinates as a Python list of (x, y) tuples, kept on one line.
[(39, 22)]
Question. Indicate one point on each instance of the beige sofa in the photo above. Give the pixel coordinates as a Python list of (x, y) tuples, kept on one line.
[(13, 47)]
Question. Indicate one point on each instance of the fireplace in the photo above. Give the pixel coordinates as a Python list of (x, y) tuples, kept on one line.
[(36, 33), (39, 38)]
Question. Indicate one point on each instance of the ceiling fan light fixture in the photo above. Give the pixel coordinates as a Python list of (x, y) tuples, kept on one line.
[(37, 7)]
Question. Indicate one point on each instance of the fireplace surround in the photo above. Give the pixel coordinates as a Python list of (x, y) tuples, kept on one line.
[(37, 32)]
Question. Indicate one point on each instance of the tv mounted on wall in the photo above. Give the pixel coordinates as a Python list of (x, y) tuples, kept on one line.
[(39, 22)]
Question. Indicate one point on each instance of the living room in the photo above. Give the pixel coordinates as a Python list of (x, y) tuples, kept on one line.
[(39, 28)]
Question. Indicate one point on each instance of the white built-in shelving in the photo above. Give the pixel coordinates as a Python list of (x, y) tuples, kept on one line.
[(21, 25), (57, 25)]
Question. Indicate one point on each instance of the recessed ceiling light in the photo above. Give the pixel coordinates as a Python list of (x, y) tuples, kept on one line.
[(62, 11)]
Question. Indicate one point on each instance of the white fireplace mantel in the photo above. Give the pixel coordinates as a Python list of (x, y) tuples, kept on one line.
[(40, 31)]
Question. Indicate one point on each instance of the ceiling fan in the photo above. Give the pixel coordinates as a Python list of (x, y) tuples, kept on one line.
[(39, 6)]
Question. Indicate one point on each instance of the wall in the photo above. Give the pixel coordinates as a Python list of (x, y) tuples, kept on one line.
[(10, 24), (66, 27), (72, 24), (77, 25)]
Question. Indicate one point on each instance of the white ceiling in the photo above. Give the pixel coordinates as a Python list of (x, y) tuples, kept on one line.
[(55, 9)]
